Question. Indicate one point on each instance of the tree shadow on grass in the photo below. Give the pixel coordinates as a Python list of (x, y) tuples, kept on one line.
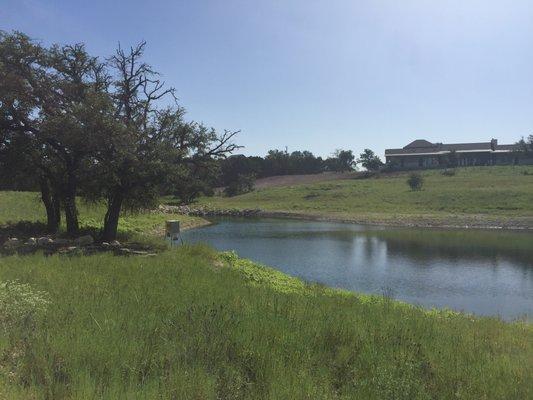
[(26, 229), (21, 229)]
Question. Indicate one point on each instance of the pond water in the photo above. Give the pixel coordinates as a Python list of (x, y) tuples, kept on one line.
[(482, 272)]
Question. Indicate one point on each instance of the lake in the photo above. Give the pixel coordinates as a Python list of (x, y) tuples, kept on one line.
[(481, 272)]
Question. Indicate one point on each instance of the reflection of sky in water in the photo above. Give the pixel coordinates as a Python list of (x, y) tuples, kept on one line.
[(492, 282)]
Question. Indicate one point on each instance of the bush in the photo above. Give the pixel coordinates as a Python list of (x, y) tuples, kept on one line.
[(448, 172), (243, 184), (189, 190), (415, 181)]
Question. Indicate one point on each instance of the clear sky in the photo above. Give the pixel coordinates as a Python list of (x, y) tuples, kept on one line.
[(321, 75)]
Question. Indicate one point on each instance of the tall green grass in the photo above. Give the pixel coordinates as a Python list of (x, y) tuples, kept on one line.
[(190, 324)]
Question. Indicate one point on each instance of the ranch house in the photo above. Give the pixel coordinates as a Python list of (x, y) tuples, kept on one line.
[(423, 154)]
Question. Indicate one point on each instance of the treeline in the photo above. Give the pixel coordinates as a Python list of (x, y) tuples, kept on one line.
[(240, 170), (74, 125)]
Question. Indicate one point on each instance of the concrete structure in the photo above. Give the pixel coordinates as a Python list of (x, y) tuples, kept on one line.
[(422, 154)]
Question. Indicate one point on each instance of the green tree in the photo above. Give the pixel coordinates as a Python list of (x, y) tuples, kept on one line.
[(50, 111), (95, 129), (150, 143), (341, 161), (72, 120), (243, 184), (24, 93), (369, 160), (526, 145)]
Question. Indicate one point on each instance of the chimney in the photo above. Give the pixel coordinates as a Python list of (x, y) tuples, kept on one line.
[(493, 144)]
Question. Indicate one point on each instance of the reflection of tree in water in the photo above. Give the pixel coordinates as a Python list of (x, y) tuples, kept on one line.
[(432, 246), (374, 244)]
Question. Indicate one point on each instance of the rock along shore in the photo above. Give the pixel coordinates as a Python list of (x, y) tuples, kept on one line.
[(450, 222), (203, 211)]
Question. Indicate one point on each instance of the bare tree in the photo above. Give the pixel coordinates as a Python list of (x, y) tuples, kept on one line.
[(151, 141)]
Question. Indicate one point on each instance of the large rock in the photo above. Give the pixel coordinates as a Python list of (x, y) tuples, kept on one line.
[(85, 240), (31, 242), (43, 241), (139, 252)]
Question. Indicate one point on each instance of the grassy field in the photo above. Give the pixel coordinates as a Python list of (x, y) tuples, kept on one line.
[(490, 195), (26, 206), (195, 324)]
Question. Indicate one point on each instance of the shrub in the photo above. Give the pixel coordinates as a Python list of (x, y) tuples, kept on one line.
[(415, 181), (448, 172), (243, 184)]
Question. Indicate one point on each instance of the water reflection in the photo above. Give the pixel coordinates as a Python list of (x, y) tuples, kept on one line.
[(488, 273)]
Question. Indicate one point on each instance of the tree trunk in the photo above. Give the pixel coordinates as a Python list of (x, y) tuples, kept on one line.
[(56, 204), (69, 203), (53, 215), (114, 205)]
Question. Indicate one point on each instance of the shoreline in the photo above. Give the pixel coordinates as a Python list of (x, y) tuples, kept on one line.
[(283, 282), (403, 223), (460, 222)]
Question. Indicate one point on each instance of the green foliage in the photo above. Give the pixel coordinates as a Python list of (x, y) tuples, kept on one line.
[(279, 162), (243, 184), (341, 161), (260, 275), (526, 145), (369, 160), (415, 181), (187, 181), (78, 126), (192, 324), (276, 162)]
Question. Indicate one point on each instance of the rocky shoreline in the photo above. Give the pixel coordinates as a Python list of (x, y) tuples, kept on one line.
[(451, 222), (82, 245), (203, 211)]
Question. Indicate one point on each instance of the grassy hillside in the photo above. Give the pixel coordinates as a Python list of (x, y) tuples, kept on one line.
[(491, 193), (192, 324)]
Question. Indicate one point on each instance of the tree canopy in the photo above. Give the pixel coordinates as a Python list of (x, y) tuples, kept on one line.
[(369, 160), (100, 129)]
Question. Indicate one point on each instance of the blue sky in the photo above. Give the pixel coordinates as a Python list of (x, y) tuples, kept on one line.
[(321, 75)]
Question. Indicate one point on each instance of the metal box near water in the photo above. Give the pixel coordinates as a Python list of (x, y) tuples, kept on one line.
[(172, 229)]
